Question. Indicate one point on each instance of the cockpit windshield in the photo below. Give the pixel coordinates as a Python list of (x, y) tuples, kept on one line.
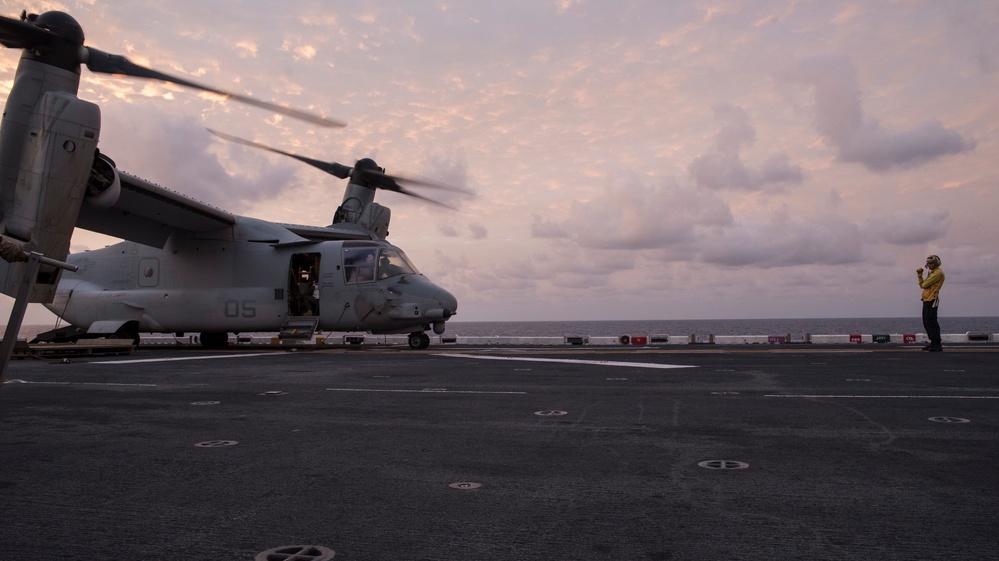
[(392, 262), (367, 264)]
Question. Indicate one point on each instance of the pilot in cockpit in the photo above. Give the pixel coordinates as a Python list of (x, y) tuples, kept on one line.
[(366, 270)]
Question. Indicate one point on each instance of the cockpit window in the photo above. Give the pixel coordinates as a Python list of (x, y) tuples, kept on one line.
[(392, 262), (359, 264), (368, 264)]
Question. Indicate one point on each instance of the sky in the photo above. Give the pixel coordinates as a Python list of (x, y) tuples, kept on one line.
[(628, 159)]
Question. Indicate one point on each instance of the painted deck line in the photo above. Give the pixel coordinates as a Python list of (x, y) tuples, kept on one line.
[(80, 383), (178, 359), (570, 361), (427, 390)]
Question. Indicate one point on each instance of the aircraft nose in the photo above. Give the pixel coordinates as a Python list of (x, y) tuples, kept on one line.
[(447, 301)]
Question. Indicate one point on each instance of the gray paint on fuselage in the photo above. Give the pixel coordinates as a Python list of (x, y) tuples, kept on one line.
[(220, 285)]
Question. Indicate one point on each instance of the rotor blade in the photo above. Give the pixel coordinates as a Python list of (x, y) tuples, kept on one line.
[(18, 34), (388, 182), (99, 61), (427, 199), (423, 183), (374, 179), (332, 168), (399, 189)]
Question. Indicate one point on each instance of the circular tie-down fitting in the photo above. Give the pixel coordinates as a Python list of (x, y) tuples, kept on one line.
[(955, 420), (551, 413), (216, 443), (296, 553), (723, 464), (464, 485)]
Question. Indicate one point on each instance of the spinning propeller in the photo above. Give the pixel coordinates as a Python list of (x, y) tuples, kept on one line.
[(365, 172), (57, 39)]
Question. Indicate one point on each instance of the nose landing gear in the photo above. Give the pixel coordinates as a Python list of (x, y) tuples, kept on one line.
[(419, 340)]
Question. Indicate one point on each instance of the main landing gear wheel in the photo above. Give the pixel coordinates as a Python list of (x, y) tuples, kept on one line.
[(214, 340), (128, 332), (419, 340)]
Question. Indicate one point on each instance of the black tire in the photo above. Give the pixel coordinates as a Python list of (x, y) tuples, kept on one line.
[(128, 331), (214, 340), (419, 341)]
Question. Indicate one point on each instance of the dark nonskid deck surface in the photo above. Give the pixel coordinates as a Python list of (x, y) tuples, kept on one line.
[(479, 453)]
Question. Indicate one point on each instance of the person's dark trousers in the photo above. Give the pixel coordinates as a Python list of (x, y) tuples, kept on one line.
[(931, 324)]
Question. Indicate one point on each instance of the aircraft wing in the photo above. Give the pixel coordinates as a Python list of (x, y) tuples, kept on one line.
[(147, 213), (342, 231)]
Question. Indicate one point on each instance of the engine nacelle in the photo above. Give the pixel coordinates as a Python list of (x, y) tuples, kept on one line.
[(104, 185), (56, 143)]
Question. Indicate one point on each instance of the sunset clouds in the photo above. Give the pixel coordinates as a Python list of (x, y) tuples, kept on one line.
[(628, 159)]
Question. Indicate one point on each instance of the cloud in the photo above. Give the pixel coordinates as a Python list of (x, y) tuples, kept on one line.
[(445, 179), (544, 229), (632, 215), (476, 231), (479, 231), (910, 227), (687, 224), (970, 265), (723, 168), (859, 138), (571, 267), (763, 210), (178, 153), (785, 242), (447, 230)]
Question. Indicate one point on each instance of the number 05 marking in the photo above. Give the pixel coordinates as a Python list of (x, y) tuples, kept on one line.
[(240, 308)]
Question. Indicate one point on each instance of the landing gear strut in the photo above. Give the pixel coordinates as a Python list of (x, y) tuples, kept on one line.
[(419, 340)]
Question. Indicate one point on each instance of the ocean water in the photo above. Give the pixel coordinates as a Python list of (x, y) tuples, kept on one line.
[(797, 327)]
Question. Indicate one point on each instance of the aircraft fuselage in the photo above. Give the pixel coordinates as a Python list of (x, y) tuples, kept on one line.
[(225, 285)]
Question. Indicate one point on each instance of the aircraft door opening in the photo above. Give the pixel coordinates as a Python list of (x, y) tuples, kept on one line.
[(303, 285)]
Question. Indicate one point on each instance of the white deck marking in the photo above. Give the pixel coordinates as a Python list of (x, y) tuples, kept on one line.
[(79, 383), (570, 361), (431, 390), (177, 359), (888, 396)]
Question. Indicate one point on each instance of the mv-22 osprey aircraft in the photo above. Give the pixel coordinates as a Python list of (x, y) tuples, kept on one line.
[(186, 266)]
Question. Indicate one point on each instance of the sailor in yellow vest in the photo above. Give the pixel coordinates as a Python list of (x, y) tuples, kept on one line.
[(931, 301)]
